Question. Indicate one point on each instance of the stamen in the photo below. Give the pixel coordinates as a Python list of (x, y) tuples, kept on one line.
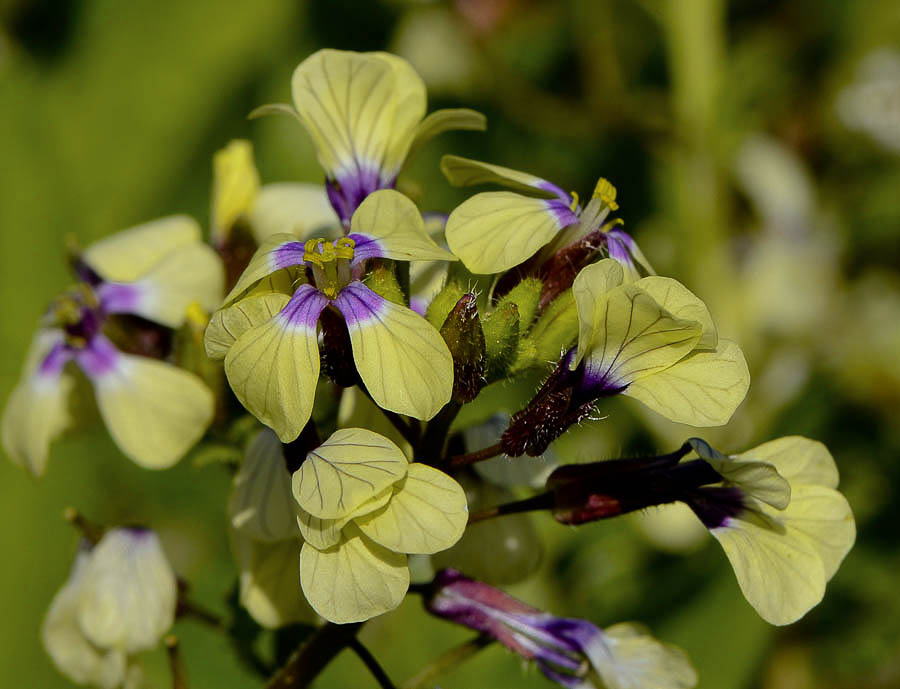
[(330, 263), (311, 252), (574, 204), (344, 248), (606, 192)]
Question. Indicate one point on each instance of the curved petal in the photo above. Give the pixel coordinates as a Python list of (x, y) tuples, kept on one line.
[(37, 410), (681, 303), (388, 225), (441, 121), (798, 459), (273, 368), (277, 252), (228, 324), (359, 108), (353, 581), (703, 389), (269, 582), (189, 274), (154, 411), (590, 290), (403, 361), (129, 593), (353, 466), (291, 208), (426, 514), (125, 256), (496, 230), (760, 480), (325, 533), (465, 172), (627, 657), (261, 503), (634, 338), (235, 185)]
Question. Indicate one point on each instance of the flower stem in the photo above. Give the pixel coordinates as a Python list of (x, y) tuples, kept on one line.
[(176, 664), (371, 663), (472, 457), (446, 662), (543, 501), (313, 655)]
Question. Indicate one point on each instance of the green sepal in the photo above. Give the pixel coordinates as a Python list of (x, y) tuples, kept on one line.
[(501, 339), (443, 303), (382, 280), (555, 331), (465, 339), (526, 296)]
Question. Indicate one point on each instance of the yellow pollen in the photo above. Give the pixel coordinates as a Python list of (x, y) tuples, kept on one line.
[(330, 262), (606, 192), (311, 252), (344, 248), (574, 204)]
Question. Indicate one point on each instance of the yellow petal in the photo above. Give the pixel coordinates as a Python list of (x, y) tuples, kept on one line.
[(273, 368), (465, 172), (261, 503), (37, 410), (703, 389), (441, 121), (235, 185), (228, 324), (681, 303), (496, 230), (633, 659), (270, 581), (186, 275), (127, 255), (359, 108), (426, 514), (388, 225), (632, 338), (154, 411), (351, 467), (353, 581), (798, 459), (277, 252), (325, 533), (590, 290), (760, 480), (401, 358), (129, 593), (291, 208)]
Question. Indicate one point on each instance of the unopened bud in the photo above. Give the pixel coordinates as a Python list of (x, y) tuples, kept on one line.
[(464, 337), (501, 340)]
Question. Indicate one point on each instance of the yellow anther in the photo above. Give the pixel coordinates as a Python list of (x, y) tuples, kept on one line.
[(67, 311), (606, 192), (311, 252), (88, 296), (328, 253), (574, 204), (344, 247)]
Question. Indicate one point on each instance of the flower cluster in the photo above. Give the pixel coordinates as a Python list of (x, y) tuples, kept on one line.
[(413, 347)]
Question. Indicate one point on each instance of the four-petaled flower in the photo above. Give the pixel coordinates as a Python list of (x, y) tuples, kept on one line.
[(362, 508), (496, 230), (364, 112), (154, 411), (572, 652), (268, 338)]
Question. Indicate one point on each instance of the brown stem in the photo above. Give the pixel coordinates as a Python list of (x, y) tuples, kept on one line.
[(472, 457), (176, 664), (543, 501), (191, 610), (313, 655), (92, 532), (372, 664)]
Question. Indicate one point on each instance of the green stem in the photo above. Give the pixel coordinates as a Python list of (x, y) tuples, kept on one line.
[(176, 664), (371, 663), (446, 662), (313, 655)]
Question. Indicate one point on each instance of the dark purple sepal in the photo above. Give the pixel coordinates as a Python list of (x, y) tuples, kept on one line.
[(337, 350), (715, 506)]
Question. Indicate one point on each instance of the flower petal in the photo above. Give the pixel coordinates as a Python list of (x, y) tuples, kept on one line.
[(465, 172), (269, 582), (496, 230), (125, 256), (798, 459), (235, 186), (276, 252), (154, 411), (401, 358), (273, 368), (228, 324), (388, 225), (359, 108), (759, 480), (184, 276), (441, 121), (426, 514), (129, 593), (353, 581), (590, 290), (291, 208), (261, 503), (629, 658), (325, 533), (681, 303), (37, 410), (351, 467), (703, 389)]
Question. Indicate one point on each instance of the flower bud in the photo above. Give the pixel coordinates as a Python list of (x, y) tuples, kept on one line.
[(464, 337)]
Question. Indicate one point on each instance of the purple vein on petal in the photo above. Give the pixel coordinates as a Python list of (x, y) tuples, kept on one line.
[(98, 358), (359, 304), (304, 309)]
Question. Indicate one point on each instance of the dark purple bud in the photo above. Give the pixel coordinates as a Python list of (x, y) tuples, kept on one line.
[(465, 339)]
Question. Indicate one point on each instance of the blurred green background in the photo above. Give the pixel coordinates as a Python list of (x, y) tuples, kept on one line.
[(755, 145)]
